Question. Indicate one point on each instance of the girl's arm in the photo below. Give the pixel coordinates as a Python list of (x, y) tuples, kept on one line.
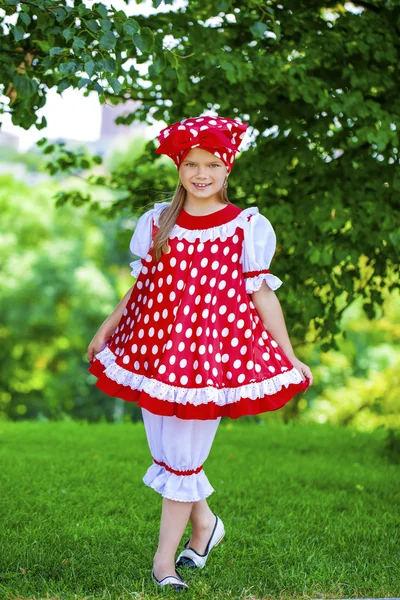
[(110, 324), (108, 327), (270, 311), (268, 307)]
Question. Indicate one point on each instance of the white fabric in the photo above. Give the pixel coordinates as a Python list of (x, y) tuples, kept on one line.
[(141, 238), (183, 445), (258, 248), (136, 266), (210, 234), (258, 251), (195, 396)]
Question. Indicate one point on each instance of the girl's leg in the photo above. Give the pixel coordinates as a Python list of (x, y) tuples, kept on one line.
[(203, 520), (179, 448), (174, 518)]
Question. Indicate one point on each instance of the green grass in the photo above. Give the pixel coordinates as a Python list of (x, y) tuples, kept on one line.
[(309, 511)]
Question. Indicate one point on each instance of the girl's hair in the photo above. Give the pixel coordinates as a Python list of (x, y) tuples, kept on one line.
[(169, 216)]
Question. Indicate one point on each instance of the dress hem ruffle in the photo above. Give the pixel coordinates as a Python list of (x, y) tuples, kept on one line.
[(210, 410), (203, 395)]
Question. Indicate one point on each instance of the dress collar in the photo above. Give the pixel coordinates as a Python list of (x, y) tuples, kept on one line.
[(219, 217)]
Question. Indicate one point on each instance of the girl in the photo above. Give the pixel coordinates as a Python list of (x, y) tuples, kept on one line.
[(201, 335)]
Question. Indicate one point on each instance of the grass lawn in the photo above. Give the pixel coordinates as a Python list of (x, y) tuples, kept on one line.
[(309, 511)]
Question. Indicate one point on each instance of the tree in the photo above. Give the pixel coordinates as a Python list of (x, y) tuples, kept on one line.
[(319, 86)]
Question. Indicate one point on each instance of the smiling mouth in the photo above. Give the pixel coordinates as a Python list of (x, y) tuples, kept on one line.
[(201, 185)]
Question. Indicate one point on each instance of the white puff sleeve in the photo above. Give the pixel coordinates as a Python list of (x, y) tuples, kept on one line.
[(258, 251), (142, 236)]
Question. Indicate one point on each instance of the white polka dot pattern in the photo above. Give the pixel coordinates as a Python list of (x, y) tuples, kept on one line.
[(192, 323)]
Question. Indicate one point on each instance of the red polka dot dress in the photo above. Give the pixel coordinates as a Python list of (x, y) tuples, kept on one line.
[(191, 343)]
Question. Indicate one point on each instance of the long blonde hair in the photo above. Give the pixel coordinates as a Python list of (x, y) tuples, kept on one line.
[(169, 216)]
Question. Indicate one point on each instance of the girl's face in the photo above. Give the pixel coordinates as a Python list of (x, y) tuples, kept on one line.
[(202, 167)]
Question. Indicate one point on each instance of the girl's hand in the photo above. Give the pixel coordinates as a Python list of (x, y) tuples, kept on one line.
[(303, 369), (97, 344)]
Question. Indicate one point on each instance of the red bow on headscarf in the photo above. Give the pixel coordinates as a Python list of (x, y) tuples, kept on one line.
[(179, 140), (222, 137)]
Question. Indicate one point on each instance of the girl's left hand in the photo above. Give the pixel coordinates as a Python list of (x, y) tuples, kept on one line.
[(303, 369)]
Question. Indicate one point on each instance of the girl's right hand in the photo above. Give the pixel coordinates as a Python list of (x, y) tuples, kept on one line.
[(97, 344)]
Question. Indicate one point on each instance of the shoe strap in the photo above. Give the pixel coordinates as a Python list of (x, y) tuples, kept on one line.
[(170, 579), (189, 553)]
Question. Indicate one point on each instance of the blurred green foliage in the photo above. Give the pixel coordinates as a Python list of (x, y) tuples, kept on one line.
[(62, 271)]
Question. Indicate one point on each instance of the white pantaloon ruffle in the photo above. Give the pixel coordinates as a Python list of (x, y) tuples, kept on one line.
[(182, 445)]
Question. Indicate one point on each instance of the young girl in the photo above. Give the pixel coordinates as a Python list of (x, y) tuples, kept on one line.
[(201, 335)]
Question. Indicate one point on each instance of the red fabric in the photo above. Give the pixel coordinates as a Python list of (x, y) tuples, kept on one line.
[(190, 324), (243, 407), (220, 136), (168, 468), (255, 273), (228, 213)]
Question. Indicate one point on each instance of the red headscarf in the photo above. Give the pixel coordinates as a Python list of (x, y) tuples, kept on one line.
[(222, 137)]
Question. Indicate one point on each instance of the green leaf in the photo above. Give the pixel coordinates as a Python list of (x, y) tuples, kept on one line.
[(144, 40), (258, 29), (48, 149), (92, 25), (101, 9), (230, 71), (89, 67), (18, 33), (106, 24), (24, 17), (277, 31), (172, 58), (108, 41), (24, 86), (159, 63), (115, 84), (131, 27), (315, 256), (78, 44), (156, 3), (56, 51), (83, 10), (60, 13), (68, 34), (83, 82), (63, 85), (107, 64), (68, 68)]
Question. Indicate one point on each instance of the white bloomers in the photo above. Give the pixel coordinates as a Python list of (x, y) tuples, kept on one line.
[(179, 447)]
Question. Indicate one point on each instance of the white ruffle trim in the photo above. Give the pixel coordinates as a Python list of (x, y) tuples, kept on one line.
[(221, 232), (253, 284), (186, 488), (136, 266), (194, 396)]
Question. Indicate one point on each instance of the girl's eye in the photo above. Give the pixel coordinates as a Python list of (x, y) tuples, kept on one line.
[(189, 164)]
